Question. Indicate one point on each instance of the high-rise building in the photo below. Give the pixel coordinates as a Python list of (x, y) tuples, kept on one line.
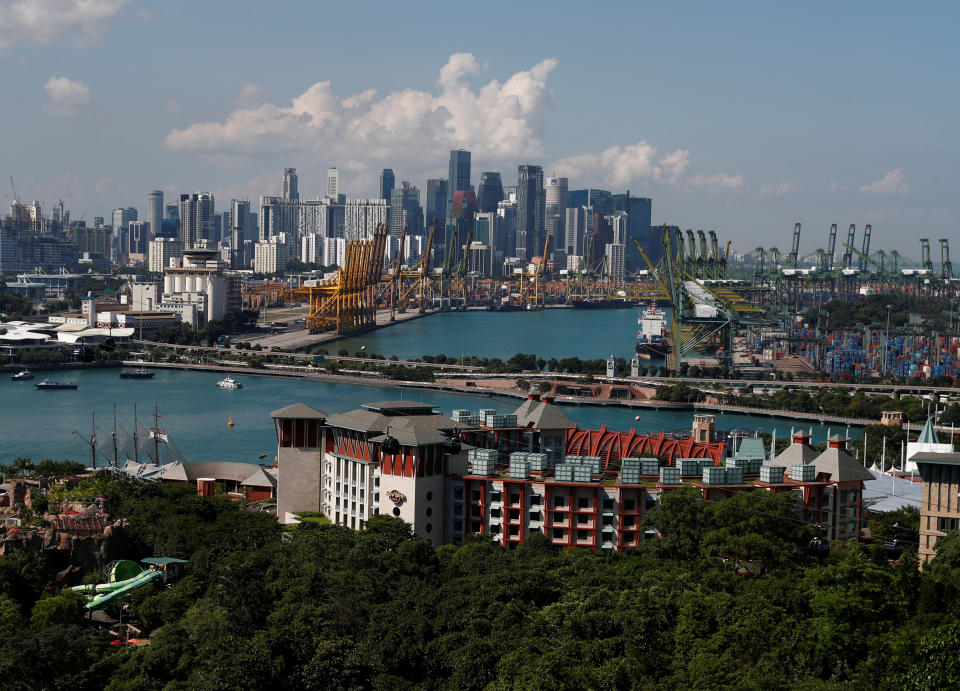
[(154, 211), (530, 211), (436, 212), (333, 184), (575, 230), (135, 248), (121, 217), (459, 177), (555, 212), (172, 211), (489, 192), (239, 231), (278, 217), (387, 181), (405, 210), (196, 219), (289, 185), (639, 210), (505, 229)]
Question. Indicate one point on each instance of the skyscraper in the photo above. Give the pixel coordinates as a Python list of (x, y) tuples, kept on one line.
[(489, 192), (436, 205), (405, 210), (386, 183), (196, 218), (121, 217), (290, 192), (575, 230), (239, 230), (459, 177), (154, 211), (333, 184), (639, 210), (555, 212), (530, 211)]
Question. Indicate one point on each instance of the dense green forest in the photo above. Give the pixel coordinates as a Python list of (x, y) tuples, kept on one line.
[(727, 599)]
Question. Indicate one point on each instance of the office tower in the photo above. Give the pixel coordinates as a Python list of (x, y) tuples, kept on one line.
[(575, 230), (615, 260), (196, 218), (463, 209), (638, 210), (137, 241), (173, 211), (555, 212), (154, 211), (589, 197), (459, 177), (436, 206), (489, 192), (121, 217), (530, 211), (289, 185), (333, 184), (239, 230), (386, 183), (405, 210)]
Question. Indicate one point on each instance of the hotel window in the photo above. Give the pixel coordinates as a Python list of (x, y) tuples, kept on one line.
[(583, 502), (514, 497), (558, 518), (458, 493), (608, 503), (458, 509), (514, 514), (534, 515), (582, 519), (583, 535), (557, 534), (535, 499), (629, 521), (514, 531), (946, 524), (558, 502), (629, 504), (608, 521), (457, 526), (475, 495)]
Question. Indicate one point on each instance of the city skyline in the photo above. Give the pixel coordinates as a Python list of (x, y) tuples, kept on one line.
[(799, 114)]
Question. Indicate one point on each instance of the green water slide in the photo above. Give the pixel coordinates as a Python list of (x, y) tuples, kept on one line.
[(124, 577)]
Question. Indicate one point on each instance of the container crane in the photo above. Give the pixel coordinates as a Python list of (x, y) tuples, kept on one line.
[(847, 259), (795, 247), (925, 261), (946, 268), (831, 247), (865, 250)]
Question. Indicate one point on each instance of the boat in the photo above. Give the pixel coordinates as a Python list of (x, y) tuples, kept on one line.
[(140, 373), (651, 343), (229, 383), (599, 303), (22, 375), (54, 384)]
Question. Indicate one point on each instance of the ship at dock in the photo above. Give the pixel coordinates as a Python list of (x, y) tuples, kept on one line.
[(651, 329)]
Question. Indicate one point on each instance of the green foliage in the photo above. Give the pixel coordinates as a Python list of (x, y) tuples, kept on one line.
[(64, 609)]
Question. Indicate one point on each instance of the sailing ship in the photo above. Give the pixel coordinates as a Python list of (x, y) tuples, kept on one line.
[(118, 446)]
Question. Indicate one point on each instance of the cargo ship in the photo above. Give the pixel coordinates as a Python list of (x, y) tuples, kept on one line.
[(651, 342), (599, 303)]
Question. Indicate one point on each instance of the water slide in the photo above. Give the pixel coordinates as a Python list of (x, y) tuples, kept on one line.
[(125, 577)]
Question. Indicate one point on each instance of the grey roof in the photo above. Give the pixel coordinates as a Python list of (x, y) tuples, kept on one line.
[(935, 457), (751, 448), (416, 428), (299, 411), (542, 415), (220, 470), (261, 477), (889, 493), (401, 407), (841, 466), (795, 454)]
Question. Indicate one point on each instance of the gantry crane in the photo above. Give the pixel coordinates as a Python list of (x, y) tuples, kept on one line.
[(795, 247), (531, 280), (946, 268), (418, 280)]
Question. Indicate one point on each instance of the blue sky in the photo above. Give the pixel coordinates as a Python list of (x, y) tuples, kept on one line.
[(741, 117)]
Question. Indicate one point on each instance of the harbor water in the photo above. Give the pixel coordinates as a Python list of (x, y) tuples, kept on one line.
[(41, 424)]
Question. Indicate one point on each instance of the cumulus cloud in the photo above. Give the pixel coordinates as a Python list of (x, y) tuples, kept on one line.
[(618, 166), (775, 189), (718, 180), (63, 91), (42, 21), (835, 186), (497, 121), (891, 183)]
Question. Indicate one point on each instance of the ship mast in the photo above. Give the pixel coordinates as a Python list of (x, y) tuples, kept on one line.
[(93, 439), (136, 437), (114, 435)]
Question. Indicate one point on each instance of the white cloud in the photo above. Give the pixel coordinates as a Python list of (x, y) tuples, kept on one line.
[(497, 122), (42, 21), (720, 180), (252, 95), (775, 189), (891, 183), (835, 186), (618, 166), (65, 92)]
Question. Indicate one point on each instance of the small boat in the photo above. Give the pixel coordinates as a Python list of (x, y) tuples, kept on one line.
[(140, 373), (22, 375), (229, 383), (54, 384)]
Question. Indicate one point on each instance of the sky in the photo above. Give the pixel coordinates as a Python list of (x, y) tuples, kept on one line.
[(743, 117)]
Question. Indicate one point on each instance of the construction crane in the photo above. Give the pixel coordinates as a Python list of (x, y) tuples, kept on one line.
[(346, 302), (865, 250), (848, 247), (795, 247), (395, 279), (925, 262), (946, 268)]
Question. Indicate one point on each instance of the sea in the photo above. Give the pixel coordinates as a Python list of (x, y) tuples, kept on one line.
[(195, 412)]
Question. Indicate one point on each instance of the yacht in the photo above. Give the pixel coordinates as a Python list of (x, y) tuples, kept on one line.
[(22, 375), (140, 373), (229, 383), (54, 384)]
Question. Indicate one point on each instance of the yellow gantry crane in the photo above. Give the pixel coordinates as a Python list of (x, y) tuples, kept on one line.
[(529, 290), (417, 280), (346, 302)]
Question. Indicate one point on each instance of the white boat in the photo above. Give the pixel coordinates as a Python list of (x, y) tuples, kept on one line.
[(229, 383)]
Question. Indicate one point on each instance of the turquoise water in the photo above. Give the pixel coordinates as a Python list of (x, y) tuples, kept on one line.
[(549, 333), (39, 424)]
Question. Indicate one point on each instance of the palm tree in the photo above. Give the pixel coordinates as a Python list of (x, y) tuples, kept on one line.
[(23, 466)]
